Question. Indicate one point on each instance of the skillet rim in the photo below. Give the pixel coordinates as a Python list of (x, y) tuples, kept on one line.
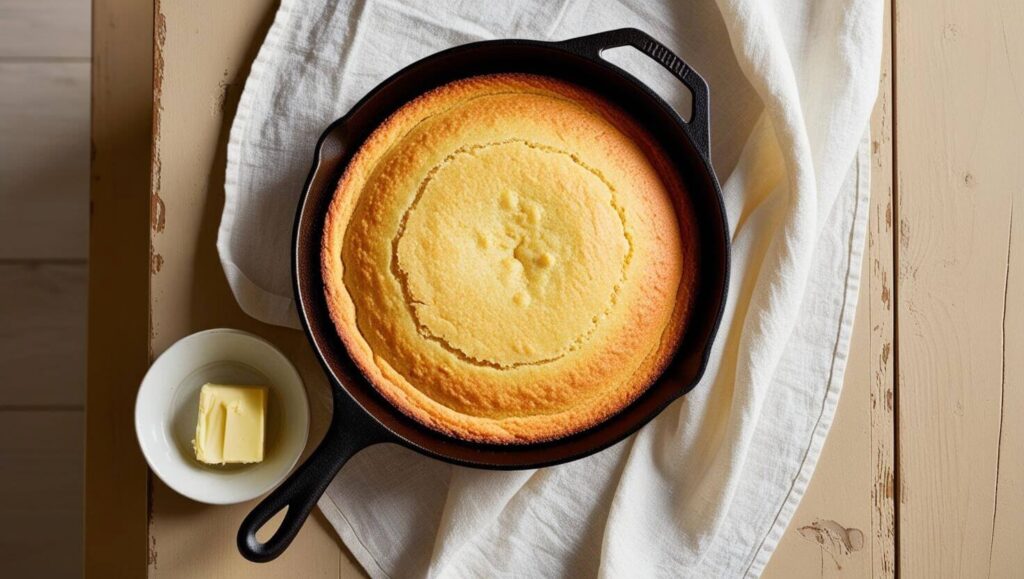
[(308, 306)]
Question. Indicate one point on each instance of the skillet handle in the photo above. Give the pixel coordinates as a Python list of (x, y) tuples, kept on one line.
[(350, 432), (698, 128)]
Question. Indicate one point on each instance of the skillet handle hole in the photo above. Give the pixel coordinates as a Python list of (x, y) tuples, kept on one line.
[(273, 523), (264, 534), (654, 75)]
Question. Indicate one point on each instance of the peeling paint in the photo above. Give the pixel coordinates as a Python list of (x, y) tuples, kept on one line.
[(157, 209), (833, 538), (220, 98), (157, 212), (151, 550)]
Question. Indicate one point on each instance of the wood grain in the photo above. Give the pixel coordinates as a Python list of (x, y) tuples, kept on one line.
[(44, 164), (42, 531), (42, 337), (35, 29), (960, 112), (116, 475), (1005, 555)]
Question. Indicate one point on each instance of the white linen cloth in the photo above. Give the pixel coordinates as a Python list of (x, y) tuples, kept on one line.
[(708, 488)]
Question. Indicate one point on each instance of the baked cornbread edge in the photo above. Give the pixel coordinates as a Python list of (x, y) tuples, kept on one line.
[(535, 428)]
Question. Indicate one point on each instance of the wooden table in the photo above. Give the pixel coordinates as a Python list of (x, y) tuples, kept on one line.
[(925, 459)]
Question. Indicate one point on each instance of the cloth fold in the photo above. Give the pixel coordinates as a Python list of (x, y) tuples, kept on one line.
[(708, 488)]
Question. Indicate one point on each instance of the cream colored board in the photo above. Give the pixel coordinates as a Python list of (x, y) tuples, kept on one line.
[(845, 526), (960, 119)]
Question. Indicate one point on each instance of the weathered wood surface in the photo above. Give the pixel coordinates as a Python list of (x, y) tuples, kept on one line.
[(959, 141), (922, 471)]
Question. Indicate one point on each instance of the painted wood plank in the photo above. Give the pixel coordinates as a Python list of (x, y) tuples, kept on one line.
[(960, 112), (845, 526), (42, 337), (44, 29), (41, 486), (881, 324), (1005, 555), (203, 54), (116, 475), (44, 165)]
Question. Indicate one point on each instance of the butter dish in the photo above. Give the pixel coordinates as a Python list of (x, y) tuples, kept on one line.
[(166, 414)]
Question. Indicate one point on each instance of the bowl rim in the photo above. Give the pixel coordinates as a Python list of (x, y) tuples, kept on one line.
[(189, 492)]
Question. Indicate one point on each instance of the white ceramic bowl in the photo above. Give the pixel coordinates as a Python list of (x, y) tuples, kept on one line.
[(168, 402)]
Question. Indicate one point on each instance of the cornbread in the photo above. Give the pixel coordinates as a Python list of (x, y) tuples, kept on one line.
[(509, 259)]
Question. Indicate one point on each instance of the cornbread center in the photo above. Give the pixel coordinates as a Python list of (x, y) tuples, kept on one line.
[(512, 253), (509, 259)]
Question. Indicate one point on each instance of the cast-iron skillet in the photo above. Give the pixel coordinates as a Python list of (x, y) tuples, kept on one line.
[(361, 416)]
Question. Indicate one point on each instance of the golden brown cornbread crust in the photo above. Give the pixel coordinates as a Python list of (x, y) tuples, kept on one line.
[(509, 259)]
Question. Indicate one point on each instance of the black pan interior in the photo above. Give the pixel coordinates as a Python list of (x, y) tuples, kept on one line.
[(344, 137)]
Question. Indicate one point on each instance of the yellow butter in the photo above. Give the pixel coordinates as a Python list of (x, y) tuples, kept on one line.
[(231, 424)]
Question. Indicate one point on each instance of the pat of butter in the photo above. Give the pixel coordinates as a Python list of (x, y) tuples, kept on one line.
[(231, 424)]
